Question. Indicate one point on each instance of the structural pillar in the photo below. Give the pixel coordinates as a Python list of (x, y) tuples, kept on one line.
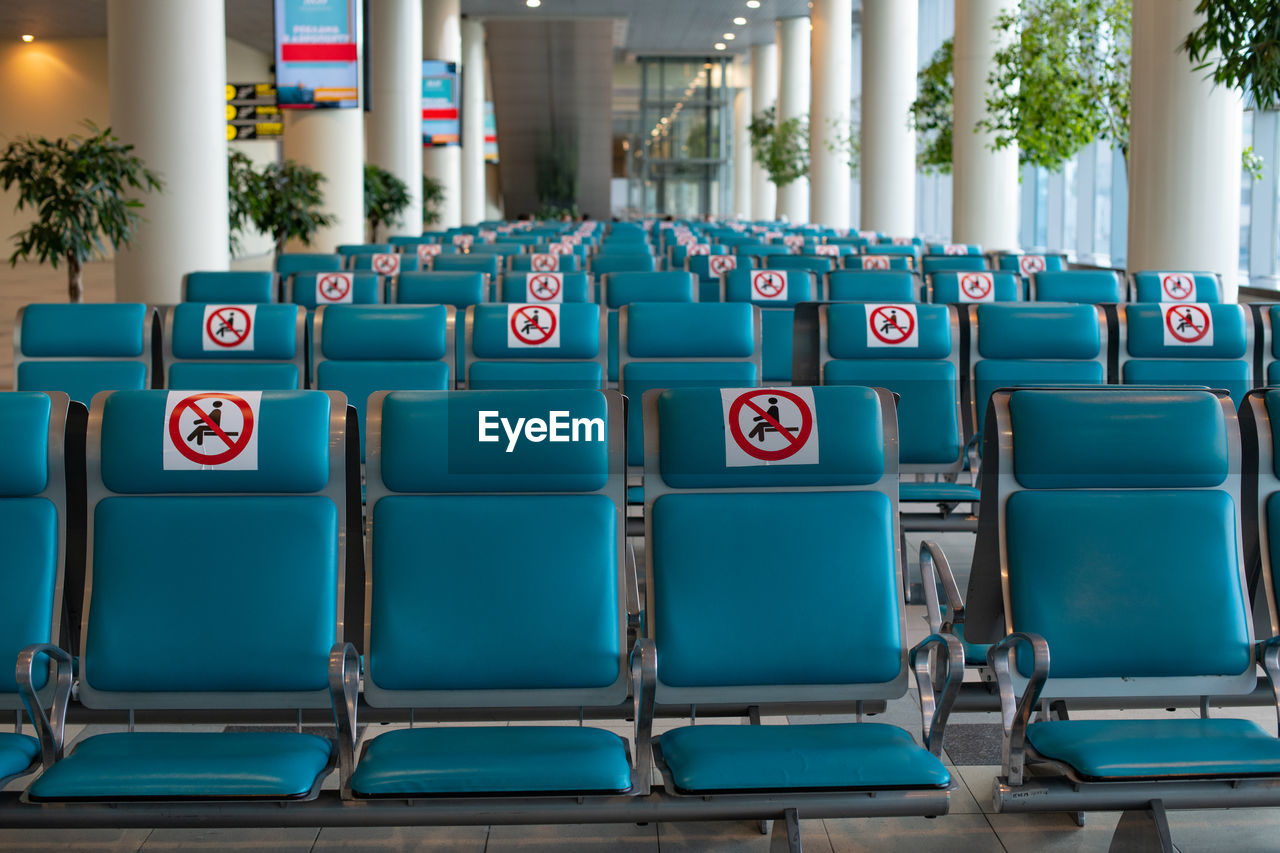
[(888, 167), (442, 40), (764, 94), (742, 150), (330, 141), (473, 86), (394, 123), (168, 101), (831, 177), (793, 102), (984, 181), (1184, 153)]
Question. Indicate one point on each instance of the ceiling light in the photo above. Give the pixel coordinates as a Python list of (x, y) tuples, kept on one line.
[(28, 38), (739, 21), (753, 4), (729, 36), (533, 4), (719, 45)]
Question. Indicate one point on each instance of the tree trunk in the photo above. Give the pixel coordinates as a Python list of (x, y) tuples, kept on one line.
[(75, 279)]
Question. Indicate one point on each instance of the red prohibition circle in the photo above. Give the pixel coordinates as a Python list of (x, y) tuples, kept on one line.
[(549, 331), (719, 264), (906, 332), (1031, 264), (983, 283), (794, 442), (233, 448), (545, 263), (773, 278), (1186, 281), (549, 282), (217, 313), (1173, 310), (336, 281), (385, 264), (875, 262)]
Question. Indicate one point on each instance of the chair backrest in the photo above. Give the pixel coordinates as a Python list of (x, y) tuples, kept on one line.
[(545, 287), (543, 262), (358, 349), (84, 348), (875, 262), (386, 264), (458, 289), (674, 345), (313, 289), (709, 268), (1090, 286), (952, 288), (1260, 434), (248, 347), (914, 351), (1101, 492), (1266, 318), (813, 613), (1013, 344), (931, 264), (495, 248), (818, 264), (234, 286), (1187, 343), (246, 619), (486, 264), (600, 265), (292, 262), (1176, 287), (1027, 264), (953, 250), (855, 285), (515, 345), (770, 288), (622, 288), (348, 250), (535, 616), (33, 526)]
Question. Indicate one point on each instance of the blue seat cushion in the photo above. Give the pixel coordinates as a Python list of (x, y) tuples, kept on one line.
[(937, 492), (832, 755), (1137, 749), (635, 494), (16, 753), (81, 379), (492, 759), (181, 765)]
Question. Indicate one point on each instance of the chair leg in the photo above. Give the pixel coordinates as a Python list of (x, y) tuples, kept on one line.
[(786, 833), (765, 826), (1143, 831)]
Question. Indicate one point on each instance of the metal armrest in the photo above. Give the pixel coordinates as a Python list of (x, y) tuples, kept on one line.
[(1269, 655), (633, 588), (49, 725), (644, 676), (935, 709), (344, 690), (1015, 712), (972, 451), (934, 566)]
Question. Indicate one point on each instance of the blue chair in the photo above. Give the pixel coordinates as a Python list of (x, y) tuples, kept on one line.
[(956, 288), (182, 616), (953, 250), (85, 348), (556, 263), (408, 243), (1099, 494), (1186, 344), (601, 265), (1089, 286), (488, 621), (855, 285), (33, 526), (1176, 287), (366, 263), (909, 251), (709, 272), (246, 347), (233, 287), (289, 263), (488, 265), (497, 357), (359, 349), (875, 262), (1019, 344), (350, 250), (502, 250), (777, 292), (459, 289), (1027, 264), (818, 264), (931, 264), (545, 287), (814, 615), (313, 289), (1266, 318)]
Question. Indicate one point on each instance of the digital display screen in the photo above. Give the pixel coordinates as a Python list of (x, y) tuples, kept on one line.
[(317, 54), (440, 103)]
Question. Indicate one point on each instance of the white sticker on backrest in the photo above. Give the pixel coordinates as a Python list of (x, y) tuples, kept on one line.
[(228, 327), (769, 286), (875, 262), (977, 287), (427, 251), (955, 249), (793, 241), (462, 240), (1029, 265), (544, 262), (1177, 287), (334, 288), (1187, 324), (903, 241), (766, 426), (698, 249), (560, 248), (206, 430), (533, 326), (830, 251), (892, 326), (719, 264), (544, 286), (386, 263)]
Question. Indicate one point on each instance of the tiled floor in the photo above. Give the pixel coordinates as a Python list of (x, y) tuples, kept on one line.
[(971, 825)]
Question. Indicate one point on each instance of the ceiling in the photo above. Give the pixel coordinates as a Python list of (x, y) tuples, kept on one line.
[(644, 26)]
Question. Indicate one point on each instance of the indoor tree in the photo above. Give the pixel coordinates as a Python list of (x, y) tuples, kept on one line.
[(1238, 41), (240, 186), (81, 189), (933, 111), (284, 201), (432, 200), (386, 197), (780, 147)]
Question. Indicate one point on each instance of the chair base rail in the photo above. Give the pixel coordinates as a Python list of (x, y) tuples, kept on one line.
[(1059, 794), (983, 696), (329, 810)]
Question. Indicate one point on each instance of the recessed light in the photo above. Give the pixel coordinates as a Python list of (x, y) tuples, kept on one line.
[(533, 4), (28, 38), (739, 21), (719, 45), (753, 4), (729, 37)]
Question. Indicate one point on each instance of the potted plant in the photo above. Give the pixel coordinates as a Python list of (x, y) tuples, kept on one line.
[(284, 201), (385, 198), (79, 188), (933, 111), (432, 199), (780, 147), (240, 188)]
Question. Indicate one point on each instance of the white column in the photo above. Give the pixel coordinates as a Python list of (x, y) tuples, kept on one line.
[(1184, 153), (167, 72), (442, 40), (331, 141), (473, 194), (984, 181), (764, 94), (888, 166), (742, 151), (830, 178), (793, 102), (394, 122)]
